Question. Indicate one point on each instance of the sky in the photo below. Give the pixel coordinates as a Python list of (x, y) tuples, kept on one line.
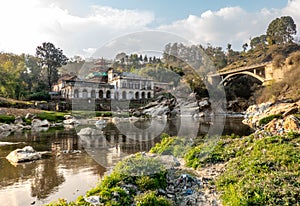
[(81, 27)]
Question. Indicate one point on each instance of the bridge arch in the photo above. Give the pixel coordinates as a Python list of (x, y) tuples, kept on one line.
[(261, 79)]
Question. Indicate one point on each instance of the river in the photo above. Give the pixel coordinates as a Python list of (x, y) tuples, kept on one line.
[(77, 163)]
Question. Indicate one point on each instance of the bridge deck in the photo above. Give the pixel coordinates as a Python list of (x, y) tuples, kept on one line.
[(240, 69)]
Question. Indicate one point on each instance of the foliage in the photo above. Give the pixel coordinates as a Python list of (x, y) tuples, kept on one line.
[(281, 30), (268, 119), (151, 199), (217, 151), (52, 116), (7, 119), (12, 68), (258, 41), (143, 173), (39, 96), (176, 146), (139, 165), (266, 174), (50, 59)]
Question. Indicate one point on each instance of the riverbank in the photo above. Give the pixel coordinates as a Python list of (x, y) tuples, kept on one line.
[(234, 171), (259, 169)]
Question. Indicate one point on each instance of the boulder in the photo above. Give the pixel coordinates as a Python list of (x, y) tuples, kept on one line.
[(71, 121), (18, 120), (5, 128), (40, 123), (23, 155), (291, 123), (255, 113)]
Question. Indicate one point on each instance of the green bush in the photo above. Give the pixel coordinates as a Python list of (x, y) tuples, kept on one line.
[(40, 96), (176, 146), (151, 199), (268, 119), (7, 119), (52, 116)]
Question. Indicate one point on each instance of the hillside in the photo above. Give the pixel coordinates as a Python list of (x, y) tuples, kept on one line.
[(261, 54), (288, 88)]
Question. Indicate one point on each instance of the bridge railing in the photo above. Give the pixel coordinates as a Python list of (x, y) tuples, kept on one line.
[(240, 69)]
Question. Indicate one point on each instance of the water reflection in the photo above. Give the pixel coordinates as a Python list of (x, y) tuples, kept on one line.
[(42, 181)]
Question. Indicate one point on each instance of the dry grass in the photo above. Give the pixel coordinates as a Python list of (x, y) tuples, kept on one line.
[(288, 88), (18, 112)]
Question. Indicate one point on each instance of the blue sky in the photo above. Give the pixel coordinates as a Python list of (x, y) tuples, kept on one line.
[(167, 11), (80, 27)]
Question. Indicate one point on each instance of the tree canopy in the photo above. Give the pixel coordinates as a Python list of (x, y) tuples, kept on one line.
[(50, 59), (281, 30)]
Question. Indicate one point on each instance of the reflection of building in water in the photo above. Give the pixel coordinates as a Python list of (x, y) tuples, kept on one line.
[(69, 143)]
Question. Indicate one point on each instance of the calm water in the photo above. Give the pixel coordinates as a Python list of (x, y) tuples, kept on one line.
[(70, 175)]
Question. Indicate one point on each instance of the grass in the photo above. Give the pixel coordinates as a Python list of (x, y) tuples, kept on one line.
[(7, 119), (259, 170), (142, 173), (268, 119), (52, 116), (267, 172), (176, 146)]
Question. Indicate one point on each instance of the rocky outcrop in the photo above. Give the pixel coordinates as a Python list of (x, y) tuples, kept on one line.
[(163, 107), (274, 118), (23, 155), (40, 123)]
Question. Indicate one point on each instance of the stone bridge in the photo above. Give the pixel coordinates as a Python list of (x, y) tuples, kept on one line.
[(264, 72)]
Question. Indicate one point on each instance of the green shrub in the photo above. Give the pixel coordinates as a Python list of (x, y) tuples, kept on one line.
[(7, 119), (39, 96), (176, 146), (151, 199), (268, 119), (52, 116)]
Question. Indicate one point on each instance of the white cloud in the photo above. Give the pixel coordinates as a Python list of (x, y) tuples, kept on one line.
[(77, 28), (230, 25), (26, 24)]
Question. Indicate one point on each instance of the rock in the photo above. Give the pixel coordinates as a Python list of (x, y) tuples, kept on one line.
[(18, 120), (290, 111), (29, 116), (5, 128), (204, 103), (169, 161), (71, 121), (291, 123), (23, 155), (68, 116), (40, 123), (94, 200), (89, 132), (256, 112)]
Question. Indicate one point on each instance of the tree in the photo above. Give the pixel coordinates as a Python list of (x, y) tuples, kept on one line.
[(50, 59), (281, 30), (258, 41), (245, 46)]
